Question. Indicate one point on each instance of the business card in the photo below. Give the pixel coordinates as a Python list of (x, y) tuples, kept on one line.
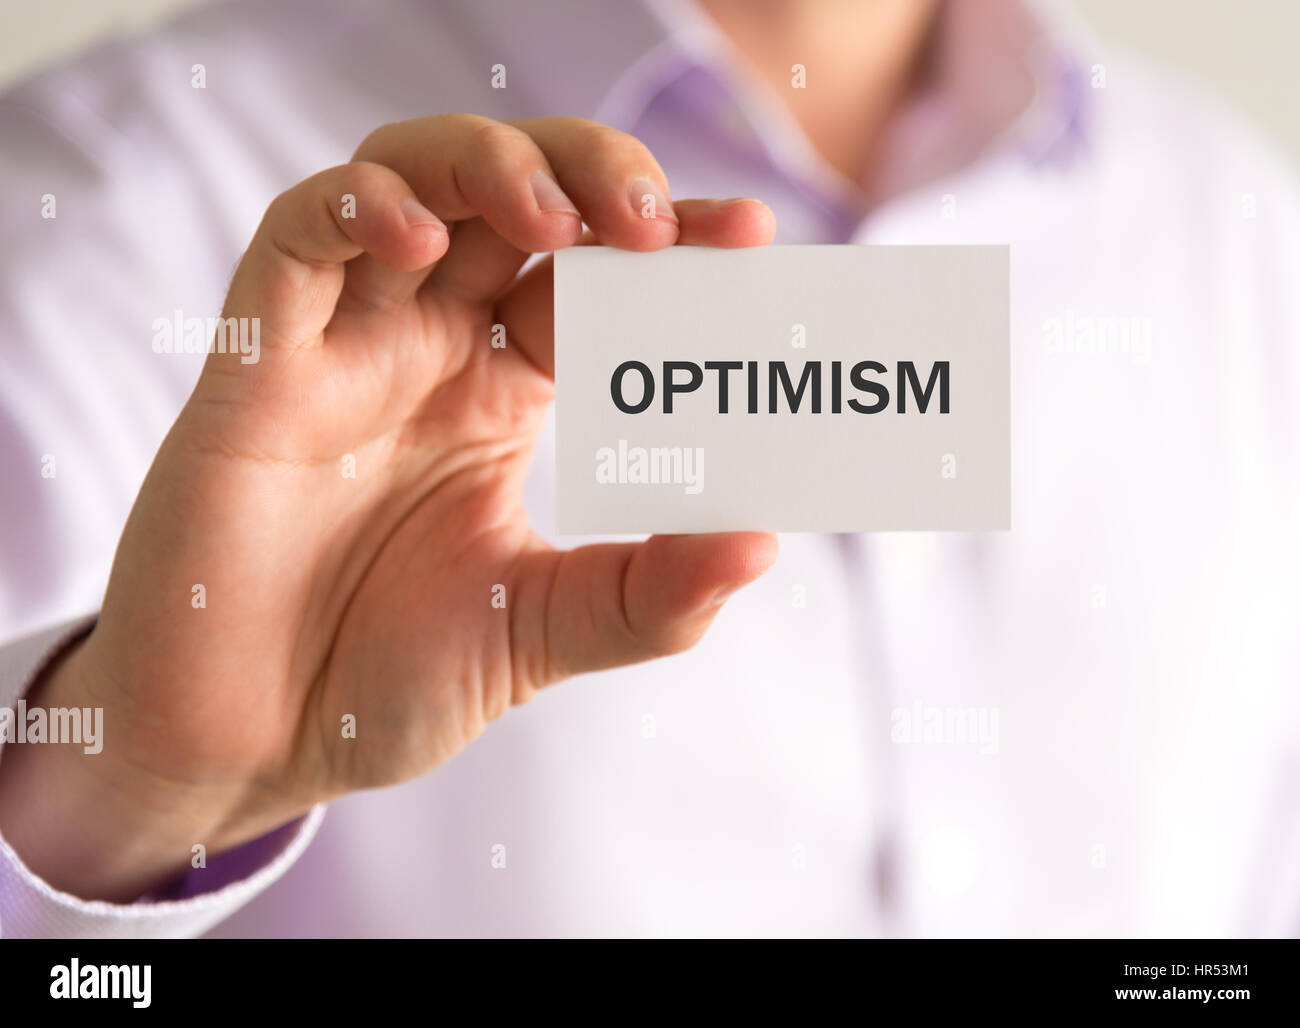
[(782, 388)]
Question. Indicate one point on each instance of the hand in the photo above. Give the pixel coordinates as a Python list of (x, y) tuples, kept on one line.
[(332, 601)]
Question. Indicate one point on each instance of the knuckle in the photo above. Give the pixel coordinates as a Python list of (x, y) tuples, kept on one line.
[(610, 144), (461, 121), (364, 177), (487, 140)]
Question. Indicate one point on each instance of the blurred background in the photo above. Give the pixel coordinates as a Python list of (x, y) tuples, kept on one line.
[(1244, 49)]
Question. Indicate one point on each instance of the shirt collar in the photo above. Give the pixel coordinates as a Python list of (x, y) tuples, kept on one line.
[(998, 73)]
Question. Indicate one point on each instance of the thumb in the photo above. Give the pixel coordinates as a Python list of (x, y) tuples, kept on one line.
[(611, 604)]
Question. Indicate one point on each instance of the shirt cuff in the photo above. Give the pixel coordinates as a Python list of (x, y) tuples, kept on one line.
[(190, 905)]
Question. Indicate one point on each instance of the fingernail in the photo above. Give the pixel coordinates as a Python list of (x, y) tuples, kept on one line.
[(416, 213), (650, 201), (549, 196)]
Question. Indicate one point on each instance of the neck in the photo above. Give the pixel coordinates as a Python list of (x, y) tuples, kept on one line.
[(860, 57)]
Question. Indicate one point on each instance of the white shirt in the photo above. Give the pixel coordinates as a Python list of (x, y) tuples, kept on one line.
[(1126, 655)]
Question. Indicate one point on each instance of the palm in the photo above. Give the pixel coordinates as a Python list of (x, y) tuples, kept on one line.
[(415, 665), (394, 671)]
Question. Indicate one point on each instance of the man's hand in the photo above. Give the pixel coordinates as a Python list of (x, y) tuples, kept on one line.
[(333, 600)]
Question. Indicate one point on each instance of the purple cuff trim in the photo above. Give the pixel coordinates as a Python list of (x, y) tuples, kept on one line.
[(227, 868)]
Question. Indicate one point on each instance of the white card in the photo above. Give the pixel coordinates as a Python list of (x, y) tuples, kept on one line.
[(782, 388)]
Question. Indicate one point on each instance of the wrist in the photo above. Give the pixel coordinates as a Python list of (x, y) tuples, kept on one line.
[(86, 817)]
